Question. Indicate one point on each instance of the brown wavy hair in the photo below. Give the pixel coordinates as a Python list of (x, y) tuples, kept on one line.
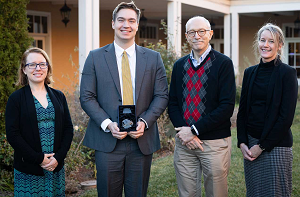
[(124, 5), (22, 78)]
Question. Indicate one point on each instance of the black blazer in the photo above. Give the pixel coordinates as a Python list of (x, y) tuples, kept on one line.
[(23, 133), (280, 106)]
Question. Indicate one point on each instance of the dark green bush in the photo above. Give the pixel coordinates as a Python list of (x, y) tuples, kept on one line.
[(169, 57), (14, 40)]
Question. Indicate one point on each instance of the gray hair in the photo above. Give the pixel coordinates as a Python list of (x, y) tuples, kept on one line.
[(277, 34), (200, 17)]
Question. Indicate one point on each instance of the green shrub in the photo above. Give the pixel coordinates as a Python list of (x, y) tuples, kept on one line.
[(6, 158), (6, 181), (169, 57), (14, 40), (78, 156), (238, 94)]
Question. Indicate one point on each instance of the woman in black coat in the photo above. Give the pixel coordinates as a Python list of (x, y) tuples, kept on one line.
[(39, 128), (266, 112)]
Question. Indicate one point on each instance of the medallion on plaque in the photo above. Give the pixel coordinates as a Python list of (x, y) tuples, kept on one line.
[(127, 118)]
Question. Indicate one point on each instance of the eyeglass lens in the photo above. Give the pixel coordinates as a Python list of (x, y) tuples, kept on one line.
[(43, 65), (200, 32)]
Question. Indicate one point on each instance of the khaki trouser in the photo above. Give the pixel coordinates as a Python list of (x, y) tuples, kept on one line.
[(213, 162)]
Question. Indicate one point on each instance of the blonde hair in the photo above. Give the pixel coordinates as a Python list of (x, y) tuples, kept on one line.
[(22, 78), (277, 34)]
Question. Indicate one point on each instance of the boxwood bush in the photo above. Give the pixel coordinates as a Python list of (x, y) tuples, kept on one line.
[(14, 40)]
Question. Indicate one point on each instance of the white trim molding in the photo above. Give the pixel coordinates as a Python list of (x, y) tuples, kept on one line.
[(174, 25), (227, 37), (218, 7), (265, 7), (88, 28), (235, 41), (47, 36)]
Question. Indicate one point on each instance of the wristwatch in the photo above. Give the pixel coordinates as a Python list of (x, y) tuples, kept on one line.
[(261, 147), (193, 130)]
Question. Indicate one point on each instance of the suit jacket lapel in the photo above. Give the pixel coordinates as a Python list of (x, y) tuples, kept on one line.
[(32, 115), (111, 61), (141, 63), (250, 85)]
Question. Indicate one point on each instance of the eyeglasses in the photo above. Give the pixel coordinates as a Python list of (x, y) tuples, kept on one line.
[(200, 32), (33, 65)]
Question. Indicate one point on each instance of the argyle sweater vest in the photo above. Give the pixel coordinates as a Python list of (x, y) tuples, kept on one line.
[(203, 96), (194, 90)]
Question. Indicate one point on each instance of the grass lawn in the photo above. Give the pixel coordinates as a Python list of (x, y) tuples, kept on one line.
[(163, 181)]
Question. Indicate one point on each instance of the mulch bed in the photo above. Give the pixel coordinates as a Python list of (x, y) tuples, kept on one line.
[(73, 187)]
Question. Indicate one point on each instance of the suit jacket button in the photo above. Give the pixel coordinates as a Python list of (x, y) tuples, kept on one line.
[(120, 100)]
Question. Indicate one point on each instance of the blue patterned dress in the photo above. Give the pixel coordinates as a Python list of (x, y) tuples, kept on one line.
[(53, 183)]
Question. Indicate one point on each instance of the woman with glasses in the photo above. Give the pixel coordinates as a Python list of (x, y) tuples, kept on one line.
[(266, 112), (39, 128)]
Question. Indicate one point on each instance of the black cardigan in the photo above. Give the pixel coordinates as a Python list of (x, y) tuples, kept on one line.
[(220, 97), (280, 106), (23, 133)]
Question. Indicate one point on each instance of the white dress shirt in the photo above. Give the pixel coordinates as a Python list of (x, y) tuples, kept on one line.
[(196, 63), (131, 53)]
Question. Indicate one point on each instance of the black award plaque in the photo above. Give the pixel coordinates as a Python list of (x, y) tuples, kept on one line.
[(127, 118)]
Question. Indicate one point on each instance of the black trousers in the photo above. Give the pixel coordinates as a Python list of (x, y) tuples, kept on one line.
[(125, 165)]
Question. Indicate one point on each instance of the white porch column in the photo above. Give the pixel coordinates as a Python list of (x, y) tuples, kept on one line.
[(235, 42), (88, 29), (227, 38), (174, 25)]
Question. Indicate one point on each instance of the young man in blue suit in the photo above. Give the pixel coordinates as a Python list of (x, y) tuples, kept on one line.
[(123, 73)]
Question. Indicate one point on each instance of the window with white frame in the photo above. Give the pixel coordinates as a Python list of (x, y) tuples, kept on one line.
[(149, 34), (292, 49), (40, 29), (217, 41)]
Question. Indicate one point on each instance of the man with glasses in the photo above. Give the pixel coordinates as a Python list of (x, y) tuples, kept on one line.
[(201, 102)]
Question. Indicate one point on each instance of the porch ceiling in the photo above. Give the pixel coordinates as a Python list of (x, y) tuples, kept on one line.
[(154, 9)]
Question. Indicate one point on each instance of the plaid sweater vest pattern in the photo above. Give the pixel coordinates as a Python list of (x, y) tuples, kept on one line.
[(194, 91)]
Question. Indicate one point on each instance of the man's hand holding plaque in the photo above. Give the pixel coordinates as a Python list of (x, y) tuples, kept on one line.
[(127, 118), (115, 131), (139, 130)]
